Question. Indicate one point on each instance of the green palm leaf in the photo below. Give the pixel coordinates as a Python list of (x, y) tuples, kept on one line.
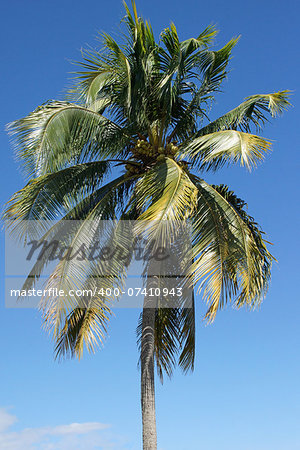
[(58, 134), (48, 196), (251, 111)]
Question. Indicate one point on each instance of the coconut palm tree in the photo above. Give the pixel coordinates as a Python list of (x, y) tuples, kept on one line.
[(133, 141)]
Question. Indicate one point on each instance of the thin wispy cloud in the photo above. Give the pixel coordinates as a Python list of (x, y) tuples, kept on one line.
[(88, 435)]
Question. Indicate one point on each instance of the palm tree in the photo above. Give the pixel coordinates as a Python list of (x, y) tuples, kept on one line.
[(141, 106)]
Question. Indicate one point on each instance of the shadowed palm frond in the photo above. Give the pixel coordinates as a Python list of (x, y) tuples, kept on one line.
[(262, 254), (187, 335), (82, 327), (174, 337), (231, 260), (167, 329)]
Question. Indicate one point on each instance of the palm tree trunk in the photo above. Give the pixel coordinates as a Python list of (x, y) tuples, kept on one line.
[(147, 377)]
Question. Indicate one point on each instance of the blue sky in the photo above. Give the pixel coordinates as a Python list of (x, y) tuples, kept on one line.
[(244, 393)]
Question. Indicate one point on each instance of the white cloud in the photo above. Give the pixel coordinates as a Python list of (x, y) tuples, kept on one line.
[(79, 428), (79, 436), (6, 419)]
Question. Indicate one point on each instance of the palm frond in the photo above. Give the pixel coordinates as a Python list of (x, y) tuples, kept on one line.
[(187, 335), (102, 203), (96, 281), (58, 134), (251, 111), (174, 337), (212, 151), (189, 71), (212, 65), (229, 261), (49, 196), (166, 196), (257, 234), (82, 327), (204, 39), (166, 340)]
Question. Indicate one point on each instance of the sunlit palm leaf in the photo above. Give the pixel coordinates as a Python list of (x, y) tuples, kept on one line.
[(202, 41), (223, 147), (167, 196)]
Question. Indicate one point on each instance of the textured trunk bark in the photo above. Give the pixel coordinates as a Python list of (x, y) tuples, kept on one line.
[(147, 377)]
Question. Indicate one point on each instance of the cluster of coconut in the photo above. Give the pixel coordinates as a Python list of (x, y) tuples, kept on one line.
[(143, 150), (145, 154), (132, 169)]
